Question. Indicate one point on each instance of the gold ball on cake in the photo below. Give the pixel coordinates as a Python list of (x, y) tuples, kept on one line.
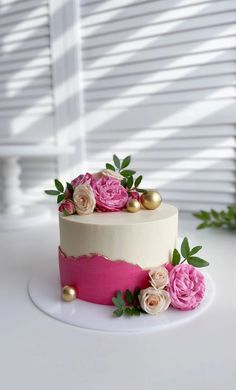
[(68, 294), (151, 199), (133, 205)]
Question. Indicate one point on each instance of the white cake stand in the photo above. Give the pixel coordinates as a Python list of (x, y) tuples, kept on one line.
[(13, 215), (44, 291)]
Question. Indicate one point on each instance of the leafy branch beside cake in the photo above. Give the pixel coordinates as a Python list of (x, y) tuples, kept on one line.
[(113, 189)]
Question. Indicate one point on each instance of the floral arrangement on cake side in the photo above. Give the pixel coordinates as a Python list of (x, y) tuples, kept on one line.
[(112, 189), (178, 284)]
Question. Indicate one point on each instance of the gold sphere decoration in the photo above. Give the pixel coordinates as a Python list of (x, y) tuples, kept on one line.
[(133, 205), (68, 294), (151, 199)]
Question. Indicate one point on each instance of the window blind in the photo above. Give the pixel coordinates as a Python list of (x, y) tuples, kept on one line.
[(159, 83), (26, 94)]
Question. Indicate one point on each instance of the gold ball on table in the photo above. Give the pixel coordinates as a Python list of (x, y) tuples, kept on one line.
[(68, 294), (133, 205), (151, 199)]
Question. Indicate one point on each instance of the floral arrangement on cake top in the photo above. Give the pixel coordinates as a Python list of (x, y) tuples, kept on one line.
[(178, 284), (114, 188)]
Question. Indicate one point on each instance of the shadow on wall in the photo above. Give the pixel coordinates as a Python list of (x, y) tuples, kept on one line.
[(147, 103)]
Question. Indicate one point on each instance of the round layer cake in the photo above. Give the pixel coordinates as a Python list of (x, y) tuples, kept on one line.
[(102, 253)]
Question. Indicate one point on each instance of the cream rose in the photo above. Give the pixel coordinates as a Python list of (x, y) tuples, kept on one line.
[(108, 172), (159, 277), (84, 199), (154, 301)]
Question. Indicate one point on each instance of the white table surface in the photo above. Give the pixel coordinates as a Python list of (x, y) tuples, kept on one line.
[(40, 353)]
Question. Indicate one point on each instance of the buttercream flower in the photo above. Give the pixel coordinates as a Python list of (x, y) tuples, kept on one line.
[(159, 277), (84, 199), (110, 195), (154, 301), (67, 207), (82, 179), (108, 172), (169, 267), (186, 287), (134, 195)]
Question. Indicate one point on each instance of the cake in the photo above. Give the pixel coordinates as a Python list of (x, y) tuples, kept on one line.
[(118, 245)]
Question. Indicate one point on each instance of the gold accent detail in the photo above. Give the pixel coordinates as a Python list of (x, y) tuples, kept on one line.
[(68, 294), (90, 255), (151, 200), (133, 206)]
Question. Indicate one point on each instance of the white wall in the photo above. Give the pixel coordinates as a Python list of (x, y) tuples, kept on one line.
[(40, 87), (156, 80), (159, 79)]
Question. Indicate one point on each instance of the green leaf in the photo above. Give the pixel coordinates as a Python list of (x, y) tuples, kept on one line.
[(230, 214), (199, 216), (118, 300), (130, 182), (175, 257), (136, 311), (185, 250), (141, 190), (195, 250), (128, 311), (52, 192), (126, 162), (215, 214), (70, 188), (60, 198), (118, 312), (58, 185), (110, 166), (127, 172), (223, 215), (124, 182), (129, 297), (233, 208), (197, 262), (138, 181), (203, 215), (116, 161), (202, 225), (136, 294)]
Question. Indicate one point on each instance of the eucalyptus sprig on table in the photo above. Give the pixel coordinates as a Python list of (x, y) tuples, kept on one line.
[(127, 305), (60, 191), (129, 182), (213, 219), (188, 255)]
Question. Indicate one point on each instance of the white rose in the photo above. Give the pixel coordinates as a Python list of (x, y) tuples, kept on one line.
[(84, 199), (108, 172), (159, 277), (154, 301)]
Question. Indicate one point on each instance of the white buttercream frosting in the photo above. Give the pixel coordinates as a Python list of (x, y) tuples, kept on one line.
[(146, 238)]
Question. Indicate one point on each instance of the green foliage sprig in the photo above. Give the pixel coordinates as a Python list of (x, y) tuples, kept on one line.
[(129, 182), (60, 191), (188, 255), (127, 305), (213, 219)]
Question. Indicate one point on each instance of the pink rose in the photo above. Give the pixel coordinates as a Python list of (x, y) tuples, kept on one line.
[(110, 195), (186, 287), (67, 207), (82, 179)]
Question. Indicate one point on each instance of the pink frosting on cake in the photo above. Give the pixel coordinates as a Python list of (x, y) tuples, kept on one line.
[(97, 279)]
